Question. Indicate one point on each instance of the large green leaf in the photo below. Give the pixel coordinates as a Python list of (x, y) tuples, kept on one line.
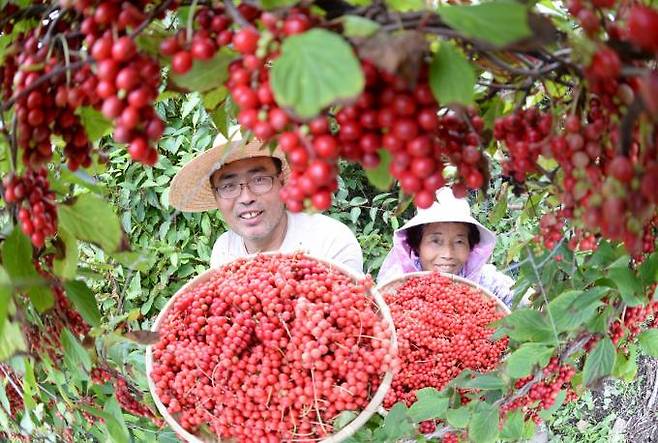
[(406, 5), (626, 365), (357, 26), (5, 297), (458, 418), (94, 123), (528, 325), (630, 287), (115, 423), (315, 69), (452, 77), (521, 362), (11, 339), (206, 74), (600, 361), (17, 260), (91, 219), (497, 22), (84, 301), (74, 354), (67, 265), (29, 385), (513, 427), (397, 423), (573, 308), (648, 341), (430, 404), (483, 426), (485, 382)]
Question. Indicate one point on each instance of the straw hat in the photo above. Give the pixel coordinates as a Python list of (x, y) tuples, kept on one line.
[(190, 189), (448, 208)]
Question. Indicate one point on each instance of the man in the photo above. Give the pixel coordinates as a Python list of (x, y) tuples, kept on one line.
[(243, 179)]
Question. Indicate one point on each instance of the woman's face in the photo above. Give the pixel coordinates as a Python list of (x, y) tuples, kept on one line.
[(444, 247)]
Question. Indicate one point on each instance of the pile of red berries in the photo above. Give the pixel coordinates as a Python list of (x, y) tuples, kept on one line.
[(443, 329), (270, 348)]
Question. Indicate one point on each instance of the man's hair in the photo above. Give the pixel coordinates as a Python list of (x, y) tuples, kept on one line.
[(415, 235), (278, 165)]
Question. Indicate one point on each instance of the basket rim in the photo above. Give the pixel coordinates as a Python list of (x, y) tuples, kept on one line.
[(345, 432)]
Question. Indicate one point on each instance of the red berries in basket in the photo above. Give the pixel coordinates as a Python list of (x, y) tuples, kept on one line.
[(443, 328), (270, 348)]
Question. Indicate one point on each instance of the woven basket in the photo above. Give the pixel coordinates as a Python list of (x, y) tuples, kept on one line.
[(341, 435), (391, 286)]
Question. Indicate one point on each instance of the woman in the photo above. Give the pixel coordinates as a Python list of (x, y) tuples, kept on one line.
[(446, 238)]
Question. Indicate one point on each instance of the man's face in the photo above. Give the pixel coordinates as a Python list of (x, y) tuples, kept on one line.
[(252, 216)]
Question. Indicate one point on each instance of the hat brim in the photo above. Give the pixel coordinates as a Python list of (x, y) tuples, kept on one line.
[(426, 217), (190, 189)]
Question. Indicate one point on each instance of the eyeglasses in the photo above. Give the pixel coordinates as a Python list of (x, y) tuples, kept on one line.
[(258, 184)]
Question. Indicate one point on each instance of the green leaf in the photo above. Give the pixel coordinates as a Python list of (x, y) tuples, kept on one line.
[(458, 418), (452, 77), (604, 255), (84, 301), (513, 427), (66, 266), (406, 5), (17, 260), (344, 419), (213, 98), (275, 4), (316, 69), (91, 219), (221, 120), (573, 308), (630, 287), (74, 354), (4, 401), (116, 425), (485, 382), (500, 209), (429, 404), (521, 362), (626, 366), (11, 339), (397, 423), (29, 385), (528, 325), (649, 269), (357, 26), (600, 361), (206, 74), (497, 22), (381, 177), (94, 123), (139, 261), (483, 426), (5, 297), (648, 341)]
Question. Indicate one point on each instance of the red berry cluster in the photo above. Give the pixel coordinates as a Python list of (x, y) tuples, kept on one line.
[(127, 80), (542, 394), (526, 135), (634, 318), (269, 349), (123, 393), (610, 192), (442, 328), (551, 229), (37, 212)]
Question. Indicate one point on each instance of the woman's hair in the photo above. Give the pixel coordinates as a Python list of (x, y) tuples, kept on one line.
[(415, 235)]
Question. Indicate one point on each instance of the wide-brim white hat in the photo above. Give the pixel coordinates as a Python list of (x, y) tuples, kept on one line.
[(448, 208), (190, 189)]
